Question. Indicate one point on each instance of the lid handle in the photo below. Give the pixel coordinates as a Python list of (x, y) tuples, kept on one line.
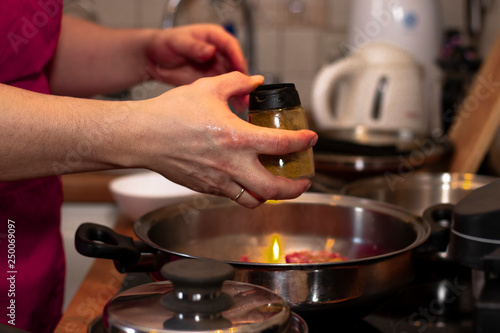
[(197, 300)]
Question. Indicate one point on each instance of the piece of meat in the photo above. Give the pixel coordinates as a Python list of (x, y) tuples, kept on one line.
[(307, 256), (244, 258)]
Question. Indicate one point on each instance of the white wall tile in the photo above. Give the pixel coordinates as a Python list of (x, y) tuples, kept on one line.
[(300, 59), (268, 13), (291, 44), (330, 47), (305, 13), (267, 52), (150, 16), (299, 52), (86, 10), (454, 14), (338, 14), (117, 13)]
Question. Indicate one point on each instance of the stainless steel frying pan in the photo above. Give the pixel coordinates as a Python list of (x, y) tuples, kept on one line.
[(378, 238)]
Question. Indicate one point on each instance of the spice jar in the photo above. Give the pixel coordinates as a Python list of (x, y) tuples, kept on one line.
[(278, 106)]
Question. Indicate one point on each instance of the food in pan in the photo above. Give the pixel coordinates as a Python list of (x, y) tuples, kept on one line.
[(274, 253), (307, 257)]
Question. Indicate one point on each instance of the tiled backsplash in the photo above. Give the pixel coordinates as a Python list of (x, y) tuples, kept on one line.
[(293, 38)]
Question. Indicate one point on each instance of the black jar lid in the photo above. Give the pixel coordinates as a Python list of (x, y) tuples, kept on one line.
[(475, 229), (274, 96)]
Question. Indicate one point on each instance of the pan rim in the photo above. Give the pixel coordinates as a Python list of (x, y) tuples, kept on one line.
[(421, 227)]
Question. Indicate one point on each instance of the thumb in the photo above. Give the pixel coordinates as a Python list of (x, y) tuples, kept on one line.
[(237, 84)]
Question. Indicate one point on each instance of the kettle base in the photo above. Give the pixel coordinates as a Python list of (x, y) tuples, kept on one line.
[(399, 141)]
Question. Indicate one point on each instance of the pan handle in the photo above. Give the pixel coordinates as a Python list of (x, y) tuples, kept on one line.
[(98, 241), (439, 217)]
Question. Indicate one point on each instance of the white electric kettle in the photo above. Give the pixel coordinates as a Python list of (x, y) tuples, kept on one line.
[(373, 96), (414, 25)]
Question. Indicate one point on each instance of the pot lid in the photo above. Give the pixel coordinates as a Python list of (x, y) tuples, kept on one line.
[(475, 228), (197, 298)]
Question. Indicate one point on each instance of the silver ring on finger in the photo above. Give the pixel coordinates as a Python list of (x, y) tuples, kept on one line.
[(239, 194)]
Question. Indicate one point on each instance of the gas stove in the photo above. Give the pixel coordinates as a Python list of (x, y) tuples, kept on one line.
[(439, 300), (455, 289), (442, 306)]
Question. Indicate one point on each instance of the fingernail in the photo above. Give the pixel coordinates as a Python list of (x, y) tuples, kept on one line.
[(258, 78), (308, 187), (313, 141), (207, 52)]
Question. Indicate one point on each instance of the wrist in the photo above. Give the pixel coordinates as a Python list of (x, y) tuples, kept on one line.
[(122, 133)]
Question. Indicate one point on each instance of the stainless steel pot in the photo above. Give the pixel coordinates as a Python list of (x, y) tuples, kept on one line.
[(198, 298), (429, 195), (378, 239), (417, 191)]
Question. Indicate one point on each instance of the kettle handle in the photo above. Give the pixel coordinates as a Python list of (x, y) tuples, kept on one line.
[(325, 84)]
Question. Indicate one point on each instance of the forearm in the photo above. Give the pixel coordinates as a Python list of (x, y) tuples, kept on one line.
[(92, 59), (43, 135), (194, 141)]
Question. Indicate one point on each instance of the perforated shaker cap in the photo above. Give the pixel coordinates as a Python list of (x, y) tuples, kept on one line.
[(274, 96)]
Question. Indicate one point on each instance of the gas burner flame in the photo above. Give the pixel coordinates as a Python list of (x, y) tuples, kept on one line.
[(274, 252)]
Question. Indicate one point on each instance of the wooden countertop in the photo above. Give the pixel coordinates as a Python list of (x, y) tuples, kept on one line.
[(102, 282), (88, 187)]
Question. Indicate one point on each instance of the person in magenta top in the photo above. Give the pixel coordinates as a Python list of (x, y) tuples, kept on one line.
[(49, 64)]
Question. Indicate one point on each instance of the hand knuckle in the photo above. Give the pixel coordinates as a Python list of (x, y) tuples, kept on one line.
[(270, 191), (282, 143)]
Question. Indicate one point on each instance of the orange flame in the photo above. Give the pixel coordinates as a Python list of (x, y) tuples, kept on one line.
[(274, 252)]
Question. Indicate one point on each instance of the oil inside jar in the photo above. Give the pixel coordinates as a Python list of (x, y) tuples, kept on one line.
[(295, 165)]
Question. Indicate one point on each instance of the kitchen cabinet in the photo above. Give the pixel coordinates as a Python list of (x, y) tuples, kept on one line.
[(88, 187)]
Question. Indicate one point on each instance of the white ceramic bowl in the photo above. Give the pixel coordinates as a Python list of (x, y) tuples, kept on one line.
[(140, 193)]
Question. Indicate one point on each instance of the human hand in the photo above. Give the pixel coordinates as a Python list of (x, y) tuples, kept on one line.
[(191, 137), (184, 54)]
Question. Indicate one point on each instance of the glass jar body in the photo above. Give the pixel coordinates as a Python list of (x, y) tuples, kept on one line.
[(298, 165)]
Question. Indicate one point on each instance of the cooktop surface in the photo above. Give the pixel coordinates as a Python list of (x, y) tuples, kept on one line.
[(431, 304)]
